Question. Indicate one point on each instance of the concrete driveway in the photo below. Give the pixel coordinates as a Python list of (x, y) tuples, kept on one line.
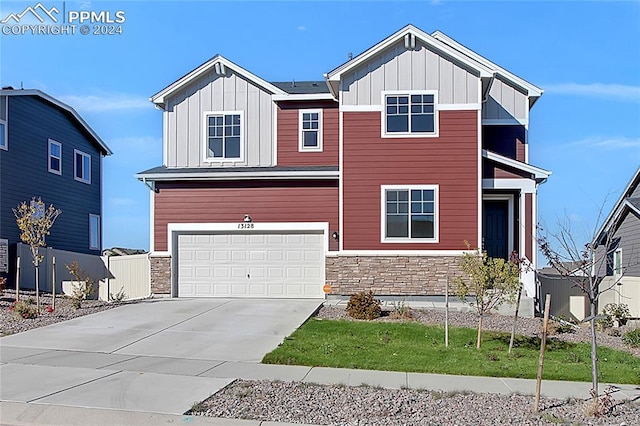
[(154, 356)]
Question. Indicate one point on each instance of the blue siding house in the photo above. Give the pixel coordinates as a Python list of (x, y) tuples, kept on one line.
[(47, 150)]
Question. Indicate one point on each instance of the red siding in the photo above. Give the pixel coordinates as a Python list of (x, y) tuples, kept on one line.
[(278, 201), (491, 170), (288, 132), (451, 161), (528, 226)]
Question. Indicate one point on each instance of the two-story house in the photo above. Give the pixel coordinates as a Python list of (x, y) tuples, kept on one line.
[(47, 150), (371, 179)]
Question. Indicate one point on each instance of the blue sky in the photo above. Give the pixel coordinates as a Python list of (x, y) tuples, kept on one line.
[(586, 55)]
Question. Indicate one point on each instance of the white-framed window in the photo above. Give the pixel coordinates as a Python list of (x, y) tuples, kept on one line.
[(223, 136), (81, 166), (409, 114), (55, 157), (310, 130), (4, 139), (409, 213), (617, 262), (94, 232)]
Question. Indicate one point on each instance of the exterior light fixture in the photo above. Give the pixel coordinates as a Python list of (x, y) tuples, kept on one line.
[(335, 235), (247, 219)]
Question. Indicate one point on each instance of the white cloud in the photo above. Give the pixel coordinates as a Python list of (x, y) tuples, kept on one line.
[(109, 102), (121, 202), (302, 28), (615, 142), (84, 5), (619, 92)]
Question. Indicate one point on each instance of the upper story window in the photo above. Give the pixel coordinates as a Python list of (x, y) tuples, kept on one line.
[(223, 136), (410, 114), (81, 166), (410, 213), (310, 125), (55, 157), (3, 135)]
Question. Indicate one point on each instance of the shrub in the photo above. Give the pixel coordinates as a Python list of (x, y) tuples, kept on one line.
[(3, 282), (84, 286), (401, 311), (618, 312), (119, 297), (24, 309), (561, 326), (632, 338), (364, 306)]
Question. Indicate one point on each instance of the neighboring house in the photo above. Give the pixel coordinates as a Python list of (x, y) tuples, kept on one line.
[(619, 237), (47, 150), (372, 179), (121, 251)]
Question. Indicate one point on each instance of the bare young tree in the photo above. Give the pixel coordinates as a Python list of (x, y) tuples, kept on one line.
[(35, 221), (489, 283), (580, 263)]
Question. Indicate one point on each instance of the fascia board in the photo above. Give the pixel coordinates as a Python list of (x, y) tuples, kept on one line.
[(61, 105), (159, 98), (337, 73), (536, 171), (236, 176), (635, 180)]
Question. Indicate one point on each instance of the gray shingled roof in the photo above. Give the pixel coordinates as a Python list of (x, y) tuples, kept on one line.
[(302, 87), (634, 202)]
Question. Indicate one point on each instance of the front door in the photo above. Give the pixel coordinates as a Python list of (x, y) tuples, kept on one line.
[(495, 228)]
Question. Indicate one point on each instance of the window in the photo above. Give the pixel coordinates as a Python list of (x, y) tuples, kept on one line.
[(617, 262), (310, 125), (410, 114), (94, 232), (410, 213), (82, 166), (223, 136), (3, 135), (55, 157)]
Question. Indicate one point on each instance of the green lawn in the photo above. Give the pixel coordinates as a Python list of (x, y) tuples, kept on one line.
[(419, 348)]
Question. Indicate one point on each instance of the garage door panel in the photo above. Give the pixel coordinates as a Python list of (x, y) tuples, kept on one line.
[(251, 265)]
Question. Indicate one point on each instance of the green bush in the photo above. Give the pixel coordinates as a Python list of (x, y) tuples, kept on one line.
[(632, 338), (618, 312), (24, 309), (364, 306)]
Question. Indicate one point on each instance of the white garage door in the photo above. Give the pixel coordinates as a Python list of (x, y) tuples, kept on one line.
[(251, 265)]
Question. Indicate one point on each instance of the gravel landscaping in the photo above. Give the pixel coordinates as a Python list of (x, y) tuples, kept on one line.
[(341, 405)]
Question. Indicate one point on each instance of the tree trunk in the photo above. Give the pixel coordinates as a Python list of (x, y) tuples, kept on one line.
[(479, 332), (594, 348), (37, 290), (515, 319)]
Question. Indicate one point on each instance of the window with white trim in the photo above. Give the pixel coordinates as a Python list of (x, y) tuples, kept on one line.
[(94, 232), (3, 135), (410, 114), (81, 166), (223, 134), (55, 157), (617, 262), (310, 125), (410, 213)]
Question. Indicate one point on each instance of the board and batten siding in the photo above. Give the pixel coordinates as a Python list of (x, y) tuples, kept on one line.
[(24, 173), (397, 68), (289, 133), (505, 103), (629, 234), (228, 202), (185, 127), (449, 161)]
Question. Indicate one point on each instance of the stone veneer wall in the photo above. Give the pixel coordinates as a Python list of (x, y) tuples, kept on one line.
[(392, 275), (160, 274)]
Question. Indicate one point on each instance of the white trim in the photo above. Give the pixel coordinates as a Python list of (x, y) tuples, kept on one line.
[(259, 175), (205, 135), (165, 136), (75, 167), (536, 171), (383, 214), (360, 108), (160, 253), (274, 113), (152, 225), (49, 156), (408, 133), (459, 107), (525, 185), (301, 147), (303, 97), (160, 97), (5, 136), (510, 218), (62, 105), (617, 272), (534, 231), (479, 174), (95, 216), (341, 178), (618, 206), (380, 253), (505, 122), (522, 249)]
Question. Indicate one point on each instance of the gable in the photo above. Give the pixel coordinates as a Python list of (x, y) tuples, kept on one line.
[(419, 68)]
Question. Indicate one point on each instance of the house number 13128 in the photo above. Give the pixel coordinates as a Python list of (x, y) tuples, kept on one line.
[(245, 226)]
